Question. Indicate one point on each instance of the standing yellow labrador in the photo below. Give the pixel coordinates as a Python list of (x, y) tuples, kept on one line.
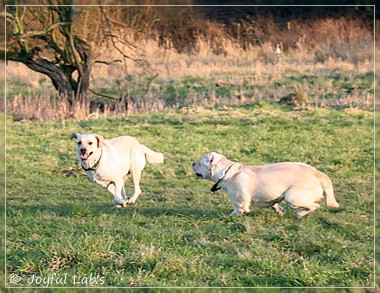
[(298, 184), (107, 162)]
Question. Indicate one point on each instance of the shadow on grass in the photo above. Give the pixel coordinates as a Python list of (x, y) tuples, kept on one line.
[(178, 212), (93, 210)]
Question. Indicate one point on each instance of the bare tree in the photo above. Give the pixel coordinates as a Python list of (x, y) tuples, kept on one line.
[(64, 42)]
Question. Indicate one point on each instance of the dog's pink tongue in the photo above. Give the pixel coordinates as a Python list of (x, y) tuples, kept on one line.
[(84, 156)]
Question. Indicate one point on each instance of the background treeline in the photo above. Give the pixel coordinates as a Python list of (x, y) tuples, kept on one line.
[(250, 25), (182, 27)]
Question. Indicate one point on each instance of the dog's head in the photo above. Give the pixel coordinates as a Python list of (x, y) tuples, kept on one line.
[(205, 167), (88, 145)]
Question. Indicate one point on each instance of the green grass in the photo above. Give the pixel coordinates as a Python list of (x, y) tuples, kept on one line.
[(337, 85), (178, 234)]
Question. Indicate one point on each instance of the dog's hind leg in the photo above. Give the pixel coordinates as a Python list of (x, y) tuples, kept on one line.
[(307, 210), (136, 177), (304, 196)]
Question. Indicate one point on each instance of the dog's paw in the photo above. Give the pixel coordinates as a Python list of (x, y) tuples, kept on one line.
[(118, 200), (281, 213), (118, 206), (130, 201), (279, 209)]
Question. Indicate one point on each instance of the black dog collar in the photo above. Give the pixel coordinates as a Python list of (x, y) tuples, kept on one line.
[(215, 187), (93, 168)]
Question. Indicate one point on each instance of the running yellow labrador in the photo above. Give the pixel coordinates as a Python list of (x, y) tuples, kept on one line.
[(300, 185), (107, 162)]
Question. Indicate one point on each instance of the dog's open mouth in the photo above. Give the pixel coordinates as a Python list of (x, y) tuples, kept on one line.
[(84, 155), (199, 175)]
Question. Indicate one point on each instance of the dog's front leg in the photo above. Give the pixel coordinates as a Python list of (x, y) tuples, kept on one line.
[(241, 203), (234, 212), (240, 209), (119, 196)]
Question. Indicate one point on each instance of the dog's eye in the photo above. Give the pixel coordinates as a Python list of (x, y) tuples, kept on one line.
[(79, 142), (90, 143)]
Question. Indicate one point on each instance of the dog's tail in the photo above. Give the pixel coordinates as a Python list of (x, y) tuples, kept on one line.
[(329, 192), (152, 156)]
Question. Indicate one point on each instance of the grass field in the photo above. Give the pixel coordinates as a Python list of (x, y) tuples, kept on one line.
[(61, 226)]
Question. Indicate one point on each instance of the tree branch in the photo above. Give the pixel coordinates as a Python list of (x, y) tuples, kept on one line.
[(102, 95), (7, 15), (109, 62), (65, 14), (109, 34), (33, 34)]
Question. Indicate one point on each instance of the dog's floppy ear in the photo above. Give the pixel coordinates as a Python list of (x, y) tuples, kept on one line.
[(211, 159), (74, 135), (100, 139), (214, 158), (205, 160)]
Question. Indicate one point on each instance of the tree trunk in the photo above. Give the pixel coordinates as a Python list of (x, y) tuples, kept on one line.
[(61, 76), (83, 83), (61, 80)]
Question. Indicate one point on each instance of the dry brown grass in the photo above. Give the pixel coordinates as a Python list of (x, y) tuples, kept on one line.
[(43, 108)]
